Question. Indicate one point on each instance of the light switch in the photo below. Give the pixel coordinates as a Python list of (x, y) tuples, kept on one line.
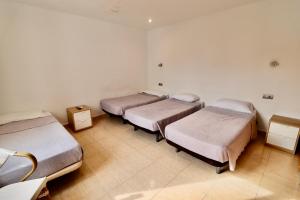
[(268, 96)]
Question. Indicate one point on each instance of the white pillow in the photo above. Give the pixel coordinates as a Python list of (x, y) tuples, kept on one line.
[(155, 92), (186, 97), (236, 105)]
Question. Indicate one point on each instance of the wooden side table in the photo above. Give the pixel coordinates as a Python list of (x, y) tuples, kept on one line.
[(79, 117), (283, 133)]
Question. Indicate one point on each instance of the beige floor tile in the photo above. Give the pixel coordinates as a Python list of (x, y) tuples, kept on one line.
[(250, 169), (110, 174), (174, 163), (284, 164), (191, 183), (191, 191), (162, 149), (155, 176), (132, 191), (197, 172), (232, 187), (100, 133), (140, 140), (256, 150), (273, 186), (93, 150), (83, 138), (133, 163), (150, 180), (105, 197), (152, 152), (111, 144)]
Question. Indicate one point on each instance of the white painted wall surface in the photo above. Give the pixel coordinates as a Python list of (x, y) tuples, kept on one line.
[(52, 60), (227, 54)]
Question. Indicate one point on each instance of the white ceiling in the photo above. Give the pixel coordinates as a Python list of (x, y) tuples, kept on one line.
[(137, 12)]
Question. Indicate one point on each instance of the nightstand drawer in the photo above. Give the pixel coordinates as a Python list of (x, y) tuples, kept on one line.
[(281, 141), (284, 130), (82, 120), (79, 117), (283, 133)]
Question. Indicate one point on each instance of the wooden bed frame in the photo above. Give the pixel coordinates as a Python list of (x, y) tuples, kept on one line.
[(220, 167)]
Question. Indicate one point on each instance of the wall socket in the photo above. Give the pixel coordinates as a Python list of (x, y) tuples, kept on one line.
[(160, 84), (268, 96)]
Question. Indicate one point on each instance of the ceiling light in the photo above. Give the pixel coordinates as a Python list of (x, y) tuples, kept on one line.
[(150, 20)]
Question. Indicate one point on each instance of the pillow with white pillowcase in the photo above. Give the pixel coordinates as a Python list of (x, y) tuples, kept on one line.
[(186, 97), (155, 92), (236, 105)]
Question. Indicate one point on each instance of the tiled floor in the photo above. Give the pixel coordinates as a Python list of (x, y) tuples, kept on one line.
[(121, 164)]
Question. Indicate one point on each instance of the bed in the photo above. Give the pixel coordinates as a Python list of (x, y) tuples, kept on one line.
[(56, 151), (216, 134), (155, 117), (117, 106)]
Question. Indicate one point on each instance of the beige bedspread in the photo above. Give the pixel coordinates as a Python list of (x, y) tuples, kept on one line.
[(216, 133)]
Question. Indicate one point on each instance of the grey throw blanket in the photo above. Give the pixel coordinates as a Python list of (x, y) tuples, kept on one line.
[(157, 116), (17, 126)]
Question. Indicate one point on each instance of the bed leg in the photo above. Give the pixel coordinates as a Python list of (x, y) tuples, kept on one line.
[(222, 169), (124, 121), (177, 150), (158, 137), (136, 128)]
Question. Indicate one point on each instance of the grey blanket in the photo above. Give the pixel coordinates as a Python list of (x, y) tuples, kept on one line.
[(215, 133), (157, 116), (17, 126), (119, 105), (48, 141)]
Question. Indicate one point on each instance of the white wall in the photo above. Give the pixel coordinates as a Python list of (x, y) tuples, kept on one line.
[(227, 55), (51, 60)]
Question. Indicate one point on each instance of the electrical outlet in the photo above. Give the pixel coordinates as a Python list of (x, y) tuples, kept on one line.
[(268, 96), (160, 84)]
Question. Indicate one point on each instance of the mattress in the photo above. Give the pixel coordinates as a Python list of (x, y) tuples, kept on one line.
[(156, 116), (54, 148), (216, 133), (118, 105)]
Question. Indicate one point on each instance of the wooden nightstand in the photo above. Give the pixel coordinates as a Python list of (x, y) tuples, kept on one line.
[(283, 133), (79, 117)]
